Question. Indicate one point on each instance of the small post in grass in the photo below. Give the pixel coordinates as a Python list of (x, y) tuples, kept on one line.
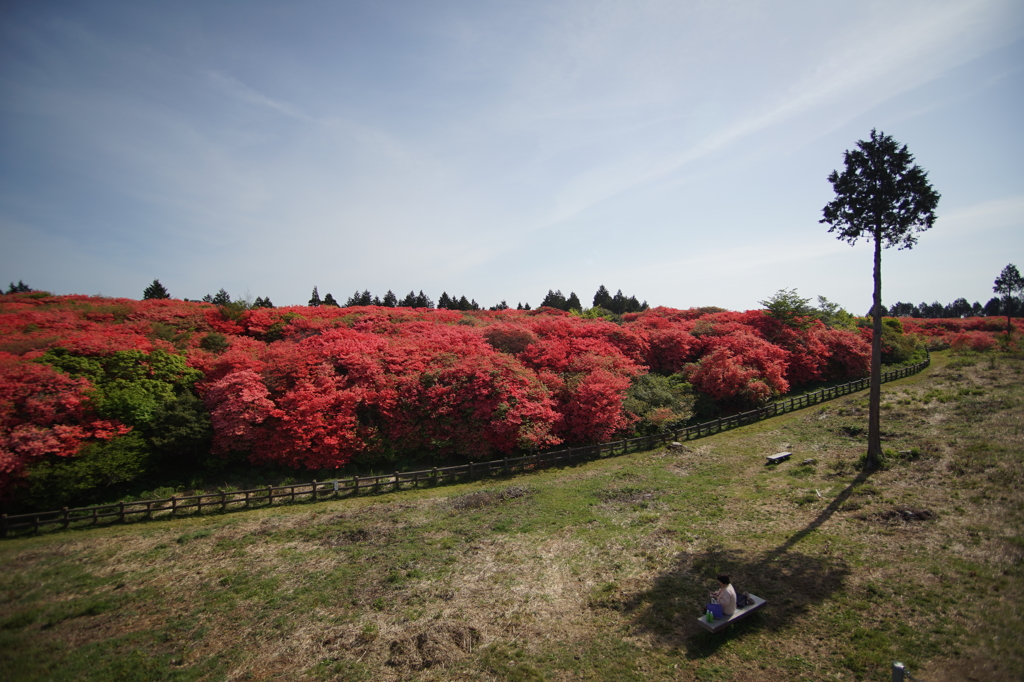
[(897, 672)]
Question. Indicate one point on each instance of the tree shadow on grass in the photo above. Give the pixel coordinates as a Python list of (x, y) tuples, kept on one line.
[(793, 583)]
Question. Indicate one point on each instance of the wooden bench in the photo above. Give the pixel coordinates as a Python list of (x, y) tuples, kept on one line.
[(722, 623), (780, 457)]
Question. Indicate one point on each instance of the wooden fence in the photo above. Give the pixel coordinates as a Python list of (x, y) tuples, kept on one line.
[(224, 501)]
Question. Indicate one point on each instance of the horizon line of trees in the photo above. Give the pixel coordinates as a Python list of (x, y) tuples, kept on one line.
[(960, 308), (618, 304)]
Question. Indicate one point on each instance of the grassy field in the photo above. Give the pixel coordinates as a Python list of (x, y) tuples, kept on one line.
[(595, 572)]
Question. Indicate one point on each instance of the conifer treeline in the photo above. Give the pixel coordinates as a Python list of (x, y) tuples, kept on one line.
[(618, 304)]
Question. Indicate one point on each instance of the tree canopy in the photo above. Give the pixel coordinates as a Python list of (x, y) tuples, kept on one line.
[(1008, 283), (883, 196), (155, 290)]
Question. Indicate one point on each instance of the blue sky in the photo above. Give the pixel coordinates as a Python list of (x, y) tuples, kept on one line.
[(675, 150)]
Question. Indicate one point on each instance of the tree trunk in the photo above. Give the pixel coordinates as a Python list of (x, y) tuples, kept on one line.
[(875, 394)]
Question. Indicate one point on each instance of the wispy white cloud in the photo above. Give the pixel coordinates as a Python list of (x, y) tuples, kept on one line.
[(990, 215), (888, 52), (236, 88)]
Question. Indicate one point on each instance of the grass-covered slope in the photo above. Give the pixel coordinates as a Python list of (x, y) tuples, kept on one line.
[(589, 573)]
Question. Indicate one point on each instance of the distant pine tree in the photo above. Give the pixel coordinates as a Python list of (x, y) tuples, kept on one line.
[(155, 290), (19, 288), (314, 300), (554, 299), (329, 300), (390, 300), (573, 303), (603, 299), (423, 301), (444, 303)]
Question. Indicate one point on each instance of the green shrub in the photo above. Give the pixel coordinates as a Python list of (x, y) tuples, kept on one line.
[(215, 342), (662, 402)]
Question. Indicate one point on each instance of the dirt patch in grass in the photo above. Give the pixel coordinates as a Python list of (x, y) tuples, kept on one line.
[(901, 516), (436, 645)]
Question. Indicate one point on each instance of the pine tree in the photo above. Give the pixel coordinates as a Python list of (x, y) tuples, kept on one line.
[(329, 300), (573, 303), (423, 301), (220, 298), (884, 197), (314, 300), (555, 300), (1008, 283), (602, 299), (390, 300), (19, 288), (444, 303), (155, 290)]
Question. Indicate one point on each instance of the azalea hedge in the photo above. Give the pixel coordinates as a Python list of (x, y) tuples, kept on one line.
[(96, 392)]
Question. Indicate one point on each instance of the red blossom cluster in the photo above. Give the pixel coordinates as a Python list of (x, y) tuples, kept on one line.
[(43, 412), (320, 387)]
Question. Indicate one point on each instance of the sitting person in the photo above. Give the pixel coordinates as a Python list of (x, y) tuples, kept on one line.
[(726, 596)]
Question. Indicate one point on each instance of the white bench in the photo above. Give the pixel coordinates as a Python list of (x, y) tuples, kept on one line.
[(722, 623), (780, 457)]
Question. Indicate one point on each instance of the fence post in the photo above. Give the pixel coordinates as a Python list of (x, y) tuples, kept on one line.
[(120, 512), (433, 475), (64, 513), (471, 471), (3, 525), (314, 490), (270, 495), (398, 483), (355, 485), (174, 507), (223, 501)]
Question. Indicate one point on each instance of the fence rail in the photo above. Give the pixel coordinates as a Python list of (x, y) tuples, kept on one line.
[(224, 501)]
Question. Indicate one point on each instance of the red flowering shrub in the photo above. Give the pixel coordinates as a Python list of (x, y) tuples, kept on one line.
[(976, 341), (669, 350), (509, 338), (319, 387), (721, 375), (848, 355), (44, 412)]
